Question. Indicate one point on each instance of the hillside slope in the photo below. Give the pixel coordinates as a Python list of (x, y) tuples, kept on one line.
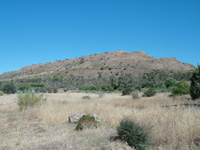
[(105, 64)]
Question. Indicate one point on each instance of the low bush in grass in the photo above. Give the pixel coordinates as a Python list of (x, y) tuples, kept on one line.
[(135, 95), (86, 97), (135, 135), (29, 99), (1, 93), (149, 93)]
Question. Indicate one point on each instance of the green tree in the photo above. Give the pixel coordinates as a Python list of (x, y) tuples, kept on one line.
[(114, 82), (195, 84)]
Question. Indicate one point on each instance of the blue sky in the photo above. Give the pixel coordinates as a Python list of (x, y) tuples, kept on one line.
[(40, 31)]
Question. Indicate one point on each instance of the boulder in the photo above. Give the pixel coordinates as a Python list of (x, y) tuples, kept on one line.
[(74, 118), (88, 121)]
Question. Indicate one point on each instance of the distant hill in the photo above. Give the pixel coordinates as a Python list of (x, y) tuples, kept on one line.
[(105, 64)]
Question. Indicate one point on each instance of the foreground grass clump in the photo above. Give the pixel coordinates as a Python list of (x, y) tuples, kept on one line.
[(29, 99), (134, 134)]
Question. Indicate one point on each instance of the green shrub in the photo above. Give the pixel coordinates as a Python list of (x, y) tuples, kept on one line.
[(135, 95), (9, 88), (1, 93), (49, 89), (29, 99), (139, 88), (170, 82), (107, 88), (55, 90), (181, 88), (135, 135), (127, 91), (195, 84), (24, 87), (149, 93), (86, 97)]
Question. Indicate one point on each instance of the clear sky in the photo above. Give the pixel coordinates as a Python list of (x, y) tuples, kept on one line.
[(40, 31)]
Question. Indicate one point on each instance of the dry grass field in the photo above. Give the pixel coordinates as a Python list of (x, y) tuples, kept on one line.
[(45, 127)]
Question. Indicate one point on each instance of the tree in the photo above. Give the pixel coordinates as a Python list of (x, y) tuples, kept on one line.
[(170, 82), (195, 84), (9, 88)]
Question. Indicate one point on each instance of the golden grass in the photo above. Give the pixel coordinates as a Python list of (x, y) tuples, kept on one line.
[(170, 127)]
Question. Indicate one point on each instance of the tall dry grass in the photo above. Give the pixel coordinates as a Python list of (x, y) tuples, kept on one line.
[(170, 127)]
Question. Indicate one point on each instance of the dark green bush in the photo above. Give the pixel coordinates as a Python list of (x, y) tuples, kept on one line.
[(107, 88), (24, 87), (170, 82), (181, 88), (55, 90), (135, 135), (127, 91), (195, 84), (149, 93), (139, 88), (9, 88)]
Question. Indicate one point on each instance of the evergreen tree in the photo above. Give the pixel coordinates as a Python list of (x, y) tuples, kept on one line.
[(195, 84)]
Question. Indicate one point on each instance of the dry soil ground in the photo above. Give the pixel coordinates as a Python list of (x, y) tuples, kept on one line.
[(45, 126)]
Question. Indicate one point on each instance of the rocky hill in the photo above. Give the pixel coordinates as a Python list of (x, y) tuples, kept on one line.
[(105, 64)]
